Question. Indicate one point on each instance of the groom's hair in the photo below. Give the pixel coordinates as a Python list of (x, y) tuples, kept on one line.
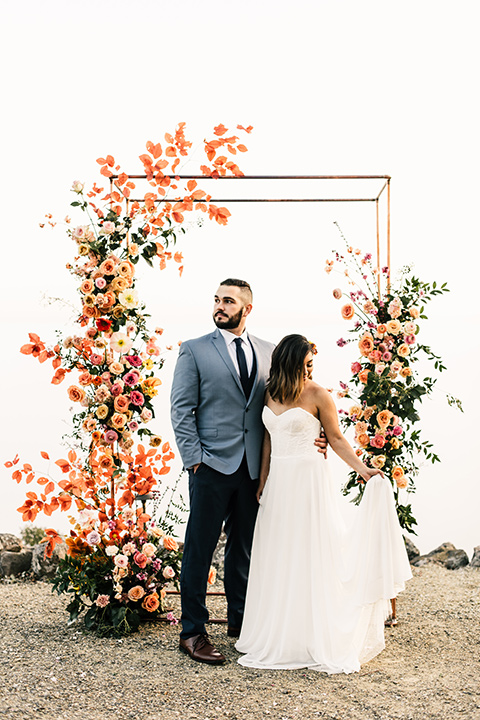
[(245, 288)]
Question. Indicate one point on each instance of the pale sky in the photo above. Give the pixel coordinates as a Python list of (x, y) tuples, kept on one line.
[(330, 88)]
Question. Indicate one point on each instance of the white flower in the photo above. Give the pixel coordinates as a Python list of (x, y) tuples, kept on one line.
[(129, 299), (111, 550), (93, 538), (77, 186)]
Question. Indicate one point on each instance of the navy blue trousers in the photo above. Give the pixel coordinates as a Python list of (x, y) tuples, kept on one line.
[(215, 499)]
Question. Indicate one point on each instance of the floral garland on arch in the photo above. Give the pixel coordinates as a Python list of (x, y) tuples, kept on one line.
[(385, 386), (119, 558)]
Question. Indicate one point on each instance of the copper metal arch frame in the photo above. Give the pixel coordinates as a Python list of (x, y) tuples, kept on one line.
[(230, 178), (376, 199)]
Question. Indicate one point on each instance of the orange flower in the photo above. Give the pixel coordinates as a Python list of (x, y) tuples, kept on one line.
[(366, 344), (151, 602), (384, 417), (136, 593), (363, 440), (403, 350), (76, 546), (399, 476), (348, 311), (405, 372), (363, 376), (87, 286), (169, 543), (106, 462), (75, 393), (121, 403)]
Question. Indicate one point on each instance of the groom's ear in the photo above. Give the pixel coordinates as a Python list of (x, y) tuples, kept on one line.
[(248, 309)]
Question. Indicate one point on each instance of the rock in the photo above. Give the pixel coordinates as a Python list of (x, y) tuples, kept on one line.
[(446, 555), (10, 542), (43, 567), (412, 551), (475, 561), (15, 563), (218, 555)]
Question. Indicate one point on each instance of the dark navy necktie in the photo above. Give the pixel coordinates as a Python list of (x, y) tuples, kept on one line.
[(242, 366)]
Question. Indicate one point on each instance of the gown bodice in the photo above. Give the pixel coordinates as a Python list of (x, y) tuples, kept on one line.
[(292, 432)]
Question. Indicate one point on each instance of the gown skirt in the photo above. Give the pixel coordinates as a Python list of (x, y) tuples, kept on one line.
[(318, 592)]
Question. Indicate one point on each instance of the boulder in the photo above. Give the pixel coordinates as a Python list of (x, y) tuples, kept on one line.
[(15, 563), (45, 568), (412, 551), (10, 542), (475, 561), (446, 555)]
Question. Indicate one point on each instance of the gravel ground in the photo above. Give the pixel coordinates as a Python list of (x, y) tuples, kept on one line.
[(430, 667)]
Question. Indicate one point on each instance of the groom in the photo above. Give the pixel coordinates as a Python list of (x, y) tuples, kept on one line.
[(217, 400)]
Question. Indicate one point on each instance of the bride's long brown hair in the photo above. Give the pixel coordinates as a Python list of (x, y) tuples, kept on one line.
[(285, 383)]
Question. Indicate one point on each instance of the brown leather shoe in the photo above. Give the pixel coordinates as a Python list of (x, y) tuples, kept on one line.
[(201, 649), (233, 631)]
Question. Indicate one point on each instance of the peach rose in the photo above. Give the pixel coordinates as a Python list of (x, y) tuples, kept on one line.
[(121, 403), (355, 411), (118, 420), (136, 593), (378, 441), (405, 372), (169, 543), (394, 327), (87, 287), (140, 559), (149, 550), (363, 440), (366, 345), (368, 412), (119, 284), (85, 378), (395, 443), (378, 461), (75, 393), (399, 476), (151, 602), (126, 269), (363, 376), (414, 312), (348, 311), (403, 350), (396, 366), (101, 412), (116, 368), (410, 328), (107, 267), (106, 462), (384, 417), (379, 368)]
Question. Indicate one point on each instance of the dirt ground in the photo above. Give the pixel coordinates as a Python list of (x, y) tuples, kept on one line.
[(430, 667)]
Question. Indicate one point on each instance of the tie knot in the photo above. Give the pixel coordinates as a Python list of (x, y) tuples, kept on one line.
[(238, 341)]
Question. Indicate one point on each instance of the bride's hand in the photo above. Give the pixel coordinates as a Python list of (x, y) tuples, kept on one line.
[(370, 472)]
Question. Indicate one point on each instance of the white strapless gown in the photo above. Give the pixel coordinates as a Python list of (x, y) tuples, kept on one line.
[(318, 594)]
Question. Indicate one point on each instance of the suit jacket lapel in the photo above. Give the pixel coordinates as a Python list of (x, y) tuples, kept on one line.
[(261, 365)]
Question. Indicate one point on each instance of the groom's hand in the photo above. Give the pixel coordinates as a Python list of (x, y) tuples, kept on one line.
[(321, 443)]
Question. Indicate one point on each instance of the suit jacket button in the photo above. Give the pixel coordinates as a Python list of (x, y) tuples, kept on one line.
[(246, 430)]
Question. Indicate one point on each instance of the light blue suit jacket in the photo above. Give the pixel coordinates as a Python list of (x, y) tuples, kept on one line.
[(211, 418)]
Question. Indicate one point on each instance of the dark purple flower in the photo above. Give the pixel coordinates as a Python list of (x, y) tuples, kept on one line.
[(341, 342)]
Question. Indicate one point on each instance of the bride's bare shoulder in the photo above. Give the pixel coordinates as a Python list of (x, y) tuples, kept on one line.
[(318, 393)]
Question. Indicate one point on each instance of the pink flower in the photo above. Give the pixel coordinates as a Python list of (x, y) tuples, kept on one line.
[(108, 227), (168, 573), (131, 378), (378, 441), (116, 389), (110, 436), (397, 430), (146, 414), (96, 359), (121, 561), (140, 559), (133, 425), (410, 339), (93, 538), (102, 601), (172, 619), (101, 283), (134, 360), (337, 293), (387, 356), (356, 367), (136, 398)]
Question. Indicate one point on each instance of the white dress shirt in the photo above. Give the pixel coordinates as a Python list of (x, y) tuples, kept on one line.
[(232, 349)]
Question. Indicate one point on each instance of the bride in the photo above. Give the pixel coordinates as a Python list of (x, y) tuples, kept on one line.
[(317, 595)]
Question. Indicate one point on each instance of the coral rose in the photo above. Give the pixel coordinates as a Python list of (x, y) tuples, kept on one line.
[(151, 602), (378, 441), (169, 543), (140, 559), (363, 376), (121, 403), (355, 367), (366, 344), (107, 267), (118, 420), (348, 311), (87, 286), (76, 394)]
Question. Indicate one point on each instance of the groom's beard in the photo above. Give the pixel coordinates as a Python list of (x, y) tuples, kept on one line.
[(228, 323)]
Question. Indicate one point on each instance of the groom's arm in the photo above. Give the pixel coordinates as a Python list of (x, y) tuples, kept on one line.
[(184, 403)]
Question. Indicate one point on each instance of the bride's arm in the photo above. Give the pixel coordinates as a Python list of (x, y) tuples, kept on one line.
[(329, 419), (265, 463)]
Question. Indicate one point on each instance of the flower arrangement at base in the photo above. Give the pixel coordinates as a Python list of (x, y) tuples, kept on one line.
[(385, 387), (118, 560), (118, 574)]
